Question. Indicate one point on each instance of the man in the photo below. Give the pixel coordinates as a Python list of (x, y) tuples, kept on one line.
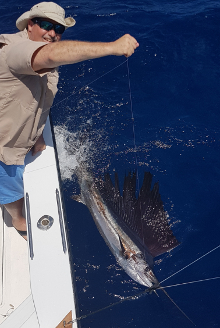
[(29, 77)]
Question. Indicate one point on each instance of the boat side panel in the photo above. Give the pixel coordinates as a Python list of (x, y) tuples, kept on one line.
[(50, 271)]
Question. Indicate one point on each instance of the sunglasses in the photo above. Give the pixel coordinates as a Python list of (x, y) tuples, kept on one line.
[(58, 28)]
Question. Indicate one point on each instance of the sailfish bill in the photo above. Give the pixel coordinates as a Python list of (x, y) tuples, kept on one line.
[(135, 229)]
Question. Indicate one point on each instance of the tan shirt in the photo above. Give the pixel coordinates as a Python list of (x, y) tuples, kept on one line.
[(25, 97)]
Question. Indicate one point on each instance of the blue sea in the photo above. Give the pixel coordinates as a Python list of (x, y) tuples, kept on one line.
[(174, 80)]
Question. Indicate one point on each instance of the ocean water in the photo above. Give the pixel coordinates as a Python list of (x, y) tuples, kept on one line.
[(174, 78)]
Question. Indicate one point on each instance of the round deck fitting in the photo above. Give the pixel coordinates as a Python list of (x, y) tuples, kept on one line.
[(45, 222)]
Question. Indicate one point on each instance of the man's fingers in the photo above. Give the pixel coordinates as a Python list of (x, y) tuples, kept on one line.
[(126, 45)]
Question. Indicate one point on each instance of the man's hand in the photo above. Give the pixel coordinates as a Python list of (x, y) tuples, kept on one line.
[(126, 46), (39, 145)]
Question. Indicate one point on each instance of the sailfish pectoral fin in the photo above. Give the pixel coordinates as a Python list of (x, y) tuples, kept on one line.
[(123, 250), (78, 198), (127, 253)]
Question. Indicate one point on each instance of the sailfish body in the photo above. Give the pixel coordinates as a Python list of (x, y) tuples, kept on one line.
[(135, 229)]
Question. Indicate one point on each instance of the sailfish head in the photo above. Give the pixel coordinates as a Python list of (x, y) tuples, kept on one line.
[(134, 263)]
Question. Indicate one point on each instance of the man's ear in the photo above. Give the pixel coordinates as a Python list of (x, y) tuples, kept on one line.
[(29, 26)]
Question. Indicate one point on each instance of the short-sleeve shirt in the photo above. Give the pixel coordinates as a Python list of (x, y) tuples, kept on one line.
[(25, 97)]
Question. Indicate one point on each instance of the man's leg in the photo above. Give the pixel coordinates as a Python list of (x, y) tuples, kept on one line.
[(15, 210)]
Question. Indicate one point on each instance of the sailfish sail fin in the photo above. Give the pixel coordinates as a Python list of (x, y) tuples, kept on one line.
[(143, 215)]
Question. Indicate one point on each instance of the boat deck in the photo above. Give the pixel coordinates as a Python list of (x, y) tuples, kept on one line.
[(15, 278)]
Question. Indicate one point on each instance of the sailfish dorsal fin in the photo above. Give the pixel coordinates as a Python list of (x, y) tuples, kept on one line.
[(143, 215)]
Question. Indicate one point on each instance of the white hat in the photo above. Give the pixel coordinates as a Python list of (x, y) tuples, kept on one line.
[(45, 10)]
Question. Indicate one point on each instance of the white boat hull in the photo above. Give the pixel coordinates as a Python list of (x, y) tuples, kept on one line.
[(48, 280)]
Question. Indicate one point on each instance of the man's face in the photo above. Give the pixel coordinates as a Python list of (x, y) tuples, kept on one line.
[(36, 33)]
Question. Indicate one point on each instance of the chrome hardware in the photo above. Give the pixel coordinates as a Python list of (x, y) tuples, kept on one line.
[(30, 239), (61, 221), (45, 222)]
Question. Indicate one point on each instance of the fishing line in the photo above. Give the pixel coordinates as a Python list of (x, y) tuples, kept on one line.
[(185, 315), (107, 307), (133, 125), (69, 96), (132, 117), (191, 263), (146, 291), (85, 86), (135, 149), (189, 282)]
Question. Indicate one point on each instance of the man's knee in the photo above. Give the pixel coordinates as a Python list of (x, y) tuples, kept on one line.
[(15, 208)]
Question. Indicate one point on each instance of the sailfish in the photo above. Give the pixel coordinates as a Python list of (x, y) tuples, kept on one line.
[(136, 229)]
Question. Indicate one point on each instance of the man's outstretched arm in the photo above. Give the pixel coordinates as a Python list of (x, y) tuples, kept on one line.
[(69, 52)]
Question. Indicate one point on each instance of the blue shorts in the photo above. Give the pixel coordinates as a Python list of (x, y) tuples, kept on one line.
[(11, 183)]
